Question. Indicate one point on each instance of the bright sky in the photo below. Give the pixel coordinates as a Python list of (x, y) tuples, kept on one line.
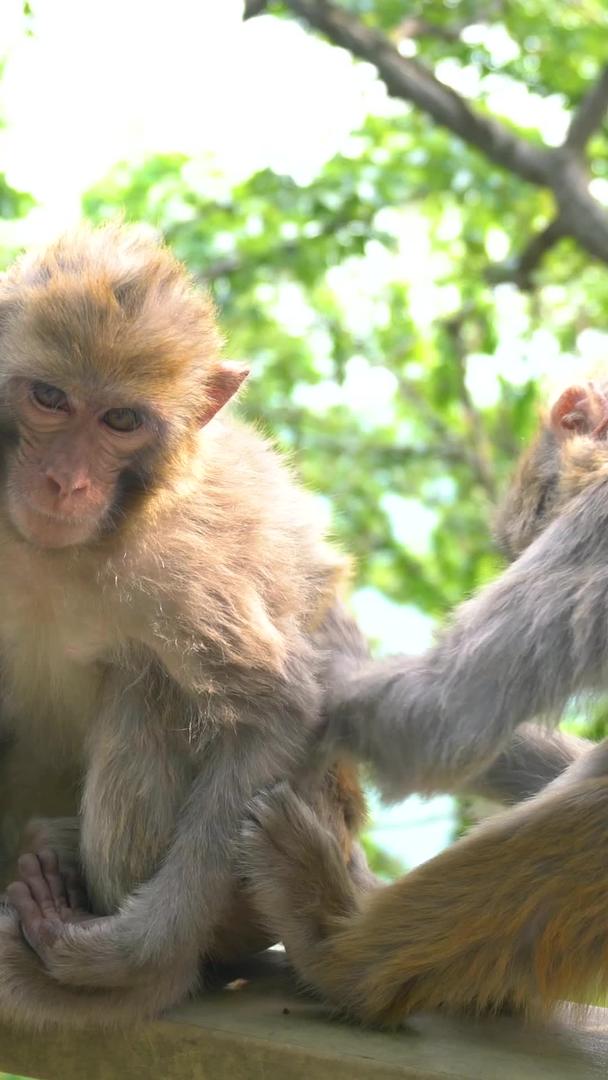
[(109, 80), (105, 80), (102, 81)]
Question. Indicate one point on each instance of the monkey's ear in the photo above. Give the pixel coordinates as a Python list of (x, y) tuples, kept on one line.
[(578, 411), (224, 385)]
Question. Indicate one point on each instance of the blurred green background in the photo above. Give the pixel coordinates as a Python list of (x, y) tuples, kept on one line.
[(408, 275)]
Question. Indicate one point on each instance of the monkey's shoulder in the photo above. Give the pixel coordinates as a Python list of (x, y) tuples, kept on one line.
[(233, 564), (246, 519)]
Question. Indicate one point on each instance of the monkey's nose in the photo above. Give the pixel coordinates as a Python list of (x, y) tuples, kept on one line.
[(63, 485)]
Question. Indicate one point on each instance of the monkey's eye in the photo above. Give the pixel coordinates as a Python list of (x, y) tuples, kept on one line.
[(49, 397), (122, 419)]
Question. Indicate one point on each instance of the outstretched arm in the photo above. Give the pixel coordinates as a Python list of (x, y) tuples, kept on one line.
[(518, 650)]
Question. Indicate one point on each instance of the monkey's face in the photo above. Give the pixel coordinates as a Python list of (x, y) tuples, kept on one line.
[(75, 455), (109, 366)]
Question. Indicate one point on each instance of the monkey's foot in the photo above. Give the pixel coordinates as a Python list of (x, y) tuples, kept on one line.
[(281, 834), (46, 901), (294, 867)]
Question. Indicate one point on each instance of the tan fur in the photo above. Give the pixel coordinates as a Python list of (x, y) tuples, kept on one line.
[(510, 918), (168, 652)]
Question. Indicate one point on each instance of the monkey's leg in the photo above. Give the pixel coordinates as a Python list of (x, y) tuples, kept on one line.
[(301, 886), (296, 872), (514, 916), (533, 759), (153, 944), (51, 891), (30, 786), (60, 835)]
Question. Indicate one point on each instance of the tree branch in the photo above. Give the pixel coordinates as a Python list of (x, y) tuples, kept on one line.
[(408, 79), (479, 446), (253, 8), (590, 114), (450, 447), (583, 217), (520, 270), (561, 170)]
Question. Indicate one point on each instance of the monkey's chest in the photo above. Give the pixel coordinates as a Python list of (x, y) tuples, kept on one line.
[(52, 645)]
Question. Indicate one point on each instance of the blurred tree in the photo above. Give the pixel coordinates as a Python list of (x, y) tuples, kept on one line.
[(394, 306), (550, 49), (13, 203)]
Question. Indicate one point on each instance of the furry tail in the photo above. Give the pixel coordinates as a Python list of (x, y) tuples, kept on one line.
[(29, 997)]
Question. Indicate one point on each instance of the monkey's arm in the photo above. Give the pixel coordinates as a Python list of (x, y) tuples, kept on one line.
[(514, 916), (533, 759), (530, 761), (519, 649), (152, 946)]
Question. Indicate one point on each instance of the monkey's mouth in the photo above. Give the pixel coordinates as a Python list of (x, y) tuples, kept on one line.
[(64, 520), (46, 528)]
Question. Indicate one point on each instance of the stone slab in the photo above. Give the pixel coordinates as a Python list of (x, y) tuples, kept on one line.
[(267, 1031)]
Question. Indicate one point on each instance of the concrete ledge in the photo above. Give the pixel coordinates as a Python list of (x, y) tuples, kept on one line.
[(265, 1031)]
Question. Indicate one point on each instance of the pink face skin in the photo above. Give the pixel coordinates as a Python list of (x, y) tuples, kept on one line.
[(62, 478)]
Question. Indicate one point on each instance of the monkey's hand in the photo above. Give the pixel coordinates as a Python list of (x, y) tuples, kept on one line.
[(47, 899)]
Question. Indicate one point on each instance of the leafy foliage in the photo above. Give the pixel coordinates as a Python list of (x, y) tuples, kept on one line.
[(373, 397), (271, 249), (390, 383), (13, 203), (384, 865)]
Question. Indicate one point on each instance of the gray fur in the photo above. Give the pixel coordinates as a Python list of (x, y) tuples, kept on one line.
[(518, 650)]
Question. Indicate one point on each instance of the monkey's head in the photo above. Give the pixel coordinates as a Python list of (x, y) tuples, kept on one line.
[(570, 452), (109, 367)]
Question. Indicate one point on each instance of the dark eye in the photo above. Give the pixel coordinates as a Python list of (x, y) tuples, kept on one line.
[(122, 419), (49, 397)]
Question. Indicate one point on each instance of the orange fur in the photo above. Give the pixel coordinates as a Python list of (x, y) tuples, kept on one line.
[(512, 917)]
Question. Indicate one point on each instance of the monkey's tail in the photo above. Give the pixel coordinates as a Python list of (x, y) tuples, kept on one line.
[(31, 998)]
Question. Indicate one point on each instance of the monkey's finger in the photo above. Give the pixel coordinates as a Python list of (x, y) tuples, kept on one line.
[(38, 930), (18, 894), (51, 871), (77, 896), (32, 875)]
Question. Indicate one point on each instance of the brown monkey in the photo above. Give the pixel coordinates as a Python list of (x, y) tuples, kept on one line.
[(511, 917), (168, 623), (162, 583), (515, 915)]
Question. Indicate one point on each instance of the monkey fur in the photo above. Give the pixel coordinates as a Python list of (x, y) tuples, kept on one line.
[(170, 628), (163, 579), (513, 916)]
